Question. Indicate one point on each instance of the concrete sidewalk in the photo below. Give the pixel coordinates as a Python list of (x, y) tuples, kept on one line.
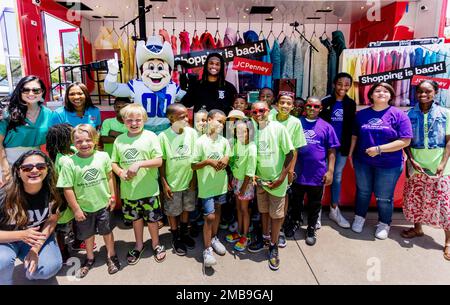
[(340, 256)]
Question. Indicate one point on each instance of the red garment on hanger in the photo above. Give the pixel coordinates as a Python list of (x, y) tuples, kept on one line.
[(219, 43), (196, 44), (165, 36), (207, 41), (175, 74), (184, 42)]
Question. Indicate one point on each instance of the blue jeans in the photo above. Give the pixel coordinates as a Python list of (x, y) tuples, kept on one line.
[(208, 204), (50, 260), (381, 182), (337, 178)]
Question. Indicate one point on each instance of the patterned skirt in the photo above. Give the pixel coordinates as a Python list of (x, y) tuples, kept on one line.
[(426, 200)]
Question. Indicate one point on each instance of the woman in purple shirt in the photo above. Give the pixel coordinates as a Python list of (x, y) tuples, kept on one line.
[(380, 133)]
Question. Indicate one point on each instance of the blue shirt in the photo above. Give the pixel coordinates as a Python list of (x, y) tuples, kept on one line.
[(337, 118), (30, 134), (91, 116)]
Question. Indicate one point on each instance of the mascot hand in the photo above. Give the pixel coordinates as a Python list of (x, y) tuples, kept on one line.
[(113, 66)]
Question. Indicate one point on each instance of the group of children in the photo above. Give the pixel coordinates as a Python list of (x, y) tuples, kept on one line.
[(262, 152)]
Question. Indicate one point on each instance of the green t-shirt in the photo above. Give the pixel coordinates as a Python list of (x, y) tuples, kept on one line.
[(243, 162), (431, 158), (114, 125), (294, 128), (211, 183), (177, 151), (129, 150), (273, 144), (67, 214), (89, 179)]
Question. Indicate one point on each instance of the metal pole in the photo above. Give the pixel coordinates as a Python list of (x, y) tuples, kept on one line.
[(142, 29)]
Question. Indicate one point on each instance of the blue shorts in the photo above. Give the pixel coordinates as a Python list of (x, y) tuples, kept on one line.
[(208, 204)]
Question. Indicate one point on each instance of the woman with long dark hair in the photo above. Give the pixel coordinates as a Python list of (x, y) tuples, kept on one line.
[(29, 207), (25, 124), (212, 91), (78, 108)]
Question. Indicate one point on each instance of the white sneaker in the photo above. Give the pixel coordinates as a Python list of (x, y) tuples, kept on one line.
[(208, 258), (358, 224), (218, 246), (382, 231), (336, 216), (319, 221)]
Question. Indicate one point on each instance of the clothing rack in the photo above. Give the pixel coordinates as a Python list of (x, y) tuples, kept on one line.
[(404, 43)]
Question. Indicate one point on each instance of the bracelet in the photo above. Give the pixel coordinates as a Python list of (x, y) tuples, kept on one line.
[(379, 149)]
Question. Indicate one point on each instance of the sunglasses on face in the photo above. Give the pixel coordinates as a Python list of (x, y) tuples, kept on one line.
[(34, 90), (259, 111), (309, 106), (29, 167)]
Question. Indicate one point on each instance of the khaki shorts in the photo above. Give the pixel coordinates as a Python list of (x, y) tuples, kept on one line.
[(267, 203), (182, 201)]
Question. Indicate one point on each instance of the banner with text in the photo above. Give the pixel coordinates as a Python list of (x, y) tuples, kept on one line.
[(254, 66), (444, 83), (402, 74), (197, 59)]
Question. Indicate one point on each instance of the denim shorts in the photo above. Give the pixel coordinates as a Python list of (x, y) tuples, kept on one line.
[(208, 204)]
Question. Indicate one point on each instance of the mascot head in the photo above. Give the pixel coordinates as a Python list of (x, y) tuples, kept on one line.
[(157, 61)]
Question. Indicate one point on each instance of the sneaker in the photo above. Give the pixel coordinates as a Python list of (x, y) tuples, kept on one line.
[(218, 246), (310, 236), (233, 227), (358, 224), (282, 240), (336, 216), (258, 244), (113, 264), (382, 231), (241, 245), (291, 228), (319, 221), (187, 240), (233, 237), (208, 258), (81, 246), (274, 259), (179, 247)]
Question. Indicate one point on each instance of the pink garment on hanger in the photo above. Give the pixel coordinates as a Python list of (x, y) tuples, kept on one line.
[(196, 45), (219, 43), (388, 62), (207, 41), (369, 70), (184, 42), (381, 60), (165, 36), (361, 88), (398, 84), (175, 74)]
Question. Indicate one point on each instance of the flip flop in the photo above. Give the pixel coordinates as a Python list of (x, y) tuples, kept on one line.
[(159, 249), (447, 253), (133, 256), (84, 270)]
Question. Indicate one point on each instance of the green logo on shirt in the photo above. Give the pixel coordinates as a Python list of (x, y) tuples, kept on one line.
[(131, 153), (182, 150), (263, 146), (214, 156), (91, 174)]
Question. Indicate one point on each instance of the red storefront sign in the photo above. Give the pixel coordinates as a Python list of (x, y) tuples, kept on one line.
[(254, 66), (444, 83)]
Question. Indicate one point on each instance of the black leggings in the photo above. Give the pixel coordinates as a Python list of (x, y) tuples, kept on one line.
[(315, 194)]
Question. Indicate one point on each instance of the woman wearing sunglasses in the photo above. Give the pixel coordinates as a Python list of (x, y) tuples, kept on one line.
[(29, 206), (380, 134), (25, 124)]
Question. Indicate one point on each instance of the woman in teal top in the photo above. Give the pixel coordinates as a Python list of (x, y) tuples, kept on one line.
[(25, 124), (78, 108)]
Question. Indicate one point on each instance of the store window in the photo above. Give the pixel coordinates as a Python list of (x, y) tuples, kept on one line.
[(10, 49)]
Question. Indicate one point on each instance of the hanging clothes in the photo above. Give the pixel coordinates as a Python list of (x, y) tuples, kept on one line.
[(184, 42), (175, 73), (165, 35), (231, 76), (266, 80), (275, 57), (331, 70), (196, 44), (298, 66), (249, 81), (207, 41), (287, 51), (219, 43), (319, 65)]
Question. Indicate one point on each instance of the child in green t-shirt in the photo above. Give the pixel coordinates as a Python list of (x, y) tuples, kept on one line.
[(136, 157), (87, 180), (211, 157), (243, 167), (113, 127), (201, 121), (285, 105), (58, 146), (177, 176)]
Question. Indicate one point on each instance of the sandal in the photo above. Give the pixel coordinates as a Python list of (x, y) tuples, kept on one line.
[(84, 270), (159, 250), (113, 264), (411, 233), (447, 253), (134, 256)]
